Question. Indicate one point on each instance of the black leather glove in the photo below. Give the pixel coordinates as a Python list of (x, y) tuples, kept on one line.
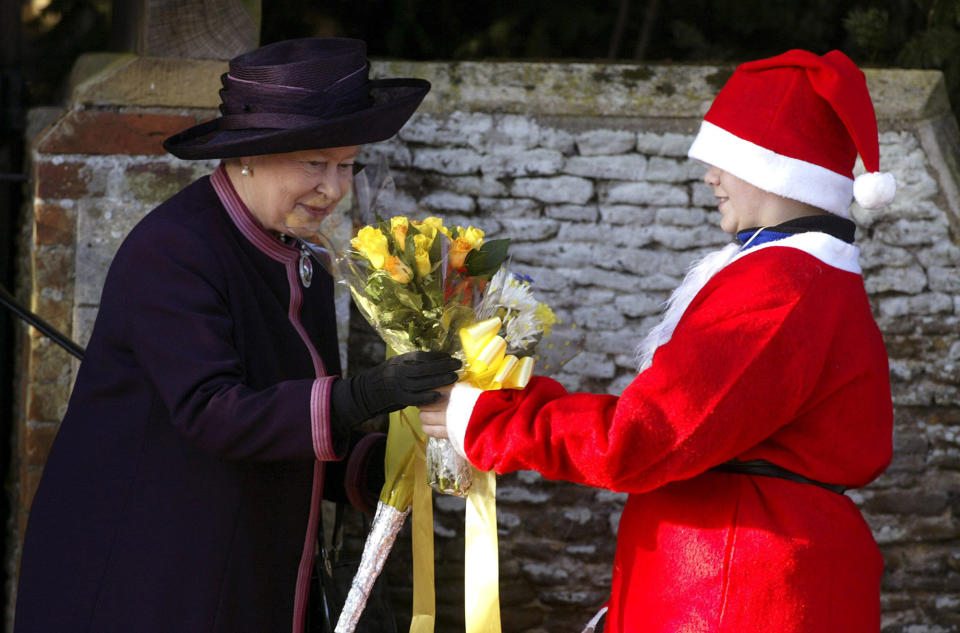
[(402, 381)]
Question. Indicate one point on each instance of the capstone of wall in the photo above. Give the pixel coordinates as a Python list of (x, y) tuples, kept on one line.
[(584, 166)]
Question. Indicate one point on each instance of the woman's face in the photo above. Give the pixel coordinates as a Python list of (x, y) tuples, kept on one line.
[(295, 188), (742, 205)]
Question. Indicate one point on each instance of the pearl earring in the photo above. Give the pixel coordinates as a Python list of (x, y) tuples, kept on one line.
[(246, 170)]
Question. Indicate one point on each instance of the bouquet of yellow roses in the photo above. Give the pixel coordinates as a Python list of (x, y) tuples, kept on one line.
[(423, 285)]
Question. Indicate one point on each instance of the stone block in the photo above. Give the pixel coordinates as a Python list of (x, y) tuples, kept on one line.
[(557, 255), (447, 161), (607, 234), (546, 278), (597, 142), (561, 189), (702, 196), (875, 254), (573, 212), (101, 226), (56, 180), (515, 163), (53, 224), (509, 207), (545, 573), (621, 167), (153, 182), (529, 230), (682, 238), (912, 233), (646, 193), (681, 216), (448, 201), (517, 494), (664, 144), (926, 303), (459, 129), (109, 132), (639, 305), (590, 364), (393, 152), (945, 279), (515, 130), (910, 280), (560, 140), (473, 186), (661, 169), (599, 318), (626, 214)]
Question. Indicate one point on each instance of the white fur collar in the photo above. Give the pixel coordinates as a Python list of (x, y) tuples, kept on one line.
[(828, 249)]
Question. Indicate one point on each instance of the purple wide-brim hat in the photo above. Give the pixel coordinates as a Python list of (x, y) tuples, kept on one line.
[(303, 94)]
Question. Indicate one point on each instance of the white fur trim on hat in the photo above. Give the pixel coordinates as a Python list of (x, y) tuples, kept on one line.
[(763, 168), (873, 190)]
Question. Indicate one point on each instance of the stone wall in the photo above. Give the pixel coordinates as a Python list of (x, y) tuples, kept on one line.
[(584, 166)]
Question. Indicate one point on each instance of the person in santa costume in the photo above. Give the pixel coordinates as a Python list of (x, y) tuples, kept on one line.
[(760, 397)]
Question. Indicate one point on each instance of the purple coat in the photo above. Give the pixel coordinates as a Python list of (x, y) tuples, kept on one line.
[(183, 489)]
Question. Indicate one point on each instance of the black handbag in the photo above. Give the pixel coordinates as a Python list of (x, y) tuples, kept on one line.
[(333, 575)]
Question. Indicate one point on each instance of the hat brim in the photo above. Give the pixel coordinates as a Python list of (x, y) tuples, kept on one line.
[(394, 102)]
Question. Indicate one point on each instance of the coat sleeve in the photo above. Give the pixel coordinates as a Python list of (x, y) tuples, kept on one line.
[(740, 364), (179, 329)]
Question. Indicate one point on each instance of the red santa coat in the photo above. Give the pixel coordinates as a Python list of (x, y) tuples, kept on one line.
[(776, 358)]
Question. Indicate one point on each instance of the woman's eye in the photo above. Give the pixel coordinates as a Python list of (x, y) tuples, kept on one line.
[(346, 167)]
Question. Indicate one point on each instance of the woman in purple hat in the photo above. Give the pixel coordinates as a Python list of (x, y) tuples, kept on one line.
[(183, 490)]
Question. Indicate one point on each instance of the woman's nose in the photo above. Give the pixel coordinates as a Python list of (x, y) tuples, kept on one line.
[(329, 185), (712, 177)]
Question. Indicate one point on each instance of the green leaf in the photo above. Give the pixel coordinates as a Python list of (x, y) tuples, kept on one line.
[(486, 261)]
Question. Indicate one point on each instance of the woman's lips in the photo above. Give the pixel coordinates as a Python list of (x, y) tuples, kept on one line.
[(312, 210)]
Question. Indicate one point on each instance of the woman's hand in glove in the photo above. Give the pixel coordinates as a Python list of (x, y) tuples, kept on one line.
[(402, 381)]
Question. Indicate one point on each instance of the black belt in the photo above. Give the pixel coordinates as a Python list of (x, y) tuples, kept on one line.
[(766, 469)]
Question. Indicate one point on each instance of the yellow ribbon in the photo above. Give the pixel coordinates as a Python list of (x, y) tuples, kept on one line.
[(487, 365), (481, 578)]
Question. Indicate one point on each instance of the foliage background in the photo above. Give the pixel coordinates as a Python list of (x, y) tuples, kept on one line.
[(889, 33)]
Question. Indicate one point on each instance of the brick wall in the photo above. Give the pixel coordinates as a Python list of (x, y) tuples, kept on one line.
[(584, 167)]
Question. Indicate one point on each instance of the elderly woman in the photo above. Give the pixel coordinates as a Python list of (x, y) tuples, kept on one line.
[(760, 397), (183, 490)]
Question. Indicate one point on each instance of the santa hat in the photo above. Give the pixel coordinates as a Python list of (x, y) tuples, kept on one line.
[(793, 125)]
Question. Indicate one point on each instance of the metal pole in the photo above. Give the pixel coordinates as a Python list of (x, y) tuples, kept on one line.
[(45, 328)]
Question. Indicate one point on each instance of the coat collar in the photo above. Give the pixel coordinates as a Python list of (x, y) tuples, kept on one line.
[(246, 223)]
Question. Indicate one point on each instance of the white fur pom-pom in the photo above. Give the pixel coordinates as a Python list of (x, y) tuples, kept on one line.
[(874, 189)]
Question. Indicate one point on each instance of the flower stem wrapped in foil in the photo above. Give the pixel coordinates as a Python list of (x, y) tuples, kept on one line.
[(383, 532)]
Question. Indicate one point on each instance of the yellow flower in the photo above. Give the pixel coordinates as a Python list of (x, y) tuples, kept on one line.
[(547, 318), (430, 226), (399, 226), (399, 271), (372, 244), (421, 254), (458, 251), (474, 236)]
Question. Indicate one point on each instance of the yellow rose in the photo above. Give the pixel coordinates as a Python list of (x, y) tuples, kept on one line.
[(421, 254), (372, 244), (474, 236), (398, 270), (458, 251), (399, 226), (430, 226)]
